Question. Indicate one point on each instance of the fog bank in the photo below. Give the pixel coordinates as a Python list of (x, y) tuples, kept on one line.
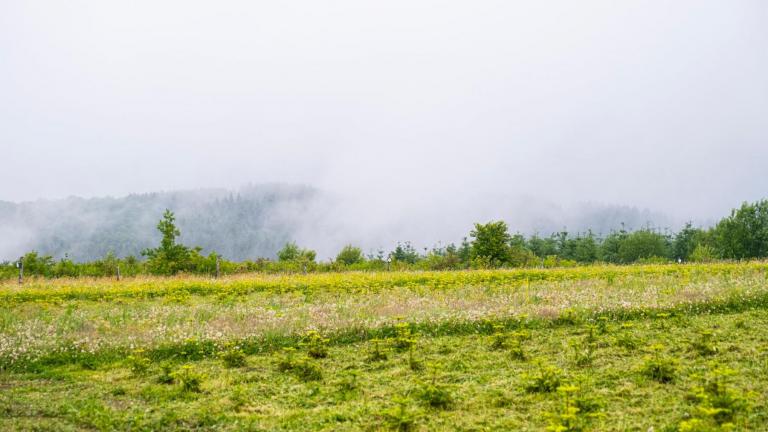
[(416, 117)]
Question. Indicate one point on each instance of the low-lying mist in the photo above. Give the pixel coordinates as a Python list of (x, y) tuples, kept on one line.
[(257, 220)]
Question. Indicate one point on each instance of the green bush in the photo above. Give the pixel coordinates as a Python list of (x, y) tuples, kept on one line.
[(233, 358), (545, 380), (658, 367), (435, 396)]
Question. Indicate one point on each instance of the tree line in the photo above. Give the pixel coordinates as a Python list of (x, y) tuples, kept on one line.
[(741, 235)]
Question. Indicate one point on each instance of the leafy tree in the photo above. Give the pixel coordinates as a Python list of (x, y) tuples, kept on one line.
[(609, 249), (108, 265), (582, 248), (642, 244), (66, 268), (686, 241), (702, 253), (404, 253), (464, 252), (350, 255), (520, 256), (292, 252), (585, 248), (39, 265), (744, 234), (170, 257), (542, 247), (491, 243)]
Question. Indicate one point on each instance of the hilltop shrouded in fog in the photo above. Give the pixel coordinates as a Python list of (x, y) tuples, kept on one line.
[(412, 119), (248, 223), (423, 115), (256, 221)]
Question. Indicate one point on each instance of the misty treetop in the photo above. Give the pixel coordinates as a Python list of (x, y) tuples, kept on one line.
[(741, 235)]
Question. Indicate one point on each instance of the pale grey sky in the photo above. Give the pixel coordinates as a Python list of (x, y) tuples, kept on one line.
[(398, 105)]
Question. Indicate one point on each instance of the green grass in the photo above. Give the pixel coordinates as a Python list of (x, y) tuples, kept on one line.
[(649, 348), (485, 388)]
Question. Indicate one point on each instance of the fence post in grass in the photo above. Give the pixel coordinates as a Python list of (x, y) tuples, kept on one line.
[(20, 265), (218, 266), (118, 273)]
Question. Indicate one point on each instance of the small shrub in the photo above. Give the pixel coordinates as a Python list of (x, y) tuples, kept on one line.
[(399, 417), (704, 345), (415, 364), (602, 325), (435, 396), (118, 391), (233, 358), (574, 412), (546, 380), (628, 342), (499, 338), (88, 363), (307, 371), (662, 321), (377, 353), (591, 336), (190, 381), (568, 317), (404, 339), (166, 374), (139, 364), (348, 383), (659, 368), (316, 345), (286, 361), (238, 398), (567, 418), (303, 369), (516, 350), (587, 404), (521, 335), (583, 352), (717, 403)]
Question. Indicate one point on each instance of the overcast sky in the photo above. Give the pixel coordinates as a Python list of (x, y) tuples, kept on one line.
[(396, 104)]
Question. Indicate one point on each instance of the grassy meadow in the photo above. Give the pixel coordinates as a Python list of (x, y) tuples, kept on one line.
[(606, 348)]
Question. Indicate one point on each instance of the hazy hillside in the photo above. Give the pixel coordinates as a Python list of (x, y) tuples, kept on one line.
[(244, 224), (256, 221)]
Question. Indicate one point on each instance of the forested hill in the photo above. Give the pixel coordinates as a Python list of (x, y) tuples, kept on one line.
[(254, 221)]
